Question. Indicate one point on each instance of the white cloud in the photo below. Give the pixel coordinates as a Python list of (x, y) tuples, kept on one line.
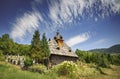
[(27, 23), (65, 11), (62, 11), (98, 42), (78, 39)]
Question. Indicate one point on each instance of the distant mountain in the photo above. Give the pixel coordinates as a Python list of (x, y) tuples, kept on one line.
[(112, 49), (98, 50)]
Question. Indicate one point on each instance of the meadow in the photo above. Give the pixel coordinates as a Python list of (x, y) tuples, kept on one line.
[(85, 71)]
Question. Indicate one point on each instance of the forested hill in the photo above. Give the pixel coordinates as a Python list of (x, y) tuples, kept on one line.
[(112, 49)]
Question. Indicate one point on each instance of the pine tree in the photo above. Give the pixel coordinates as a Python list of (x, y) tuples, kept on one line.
[(45, 49), (36, 47)]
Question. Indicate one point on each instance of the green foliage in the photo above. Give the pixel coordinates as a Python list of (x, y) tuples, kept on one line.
[(8, 71), (67, 68), (115, 59), (104, 62), (2, 58), (38, 68), (45, 49), (6, 44), (81, 55), (22, 49), (36, 47), (101, 59), (50, 75), (40, 51), (112, 49), (28, 62)]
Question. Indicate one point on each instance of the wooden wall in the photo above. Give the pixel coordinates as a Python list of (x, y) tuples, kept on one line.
[(56, 59)]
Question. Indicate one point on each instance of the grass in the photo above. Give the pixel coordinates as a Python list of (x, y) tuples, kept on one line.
[(86, 71), (113, 73), (109, 73), (8, 71)]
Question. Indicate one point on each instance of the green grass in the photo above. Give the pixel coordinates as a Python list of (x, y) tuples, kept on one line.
[(86, 71), (107, 73), (8, 71)]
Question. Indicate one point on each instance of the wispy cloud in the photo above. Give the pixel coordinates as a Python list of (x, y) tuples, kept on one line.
[(99, 42), (66, 11), (27, 23), (61, 12), (78, 39)]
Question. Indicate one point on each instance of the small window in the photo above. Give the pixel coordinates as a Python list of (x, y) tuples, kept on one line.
[(69, 50), (55, 38), (58, 48), (61, 37)]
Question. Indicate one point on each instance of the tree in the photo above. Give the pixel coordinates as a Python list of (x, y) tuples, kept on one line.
[(6, 44), (45, 49), (22, 49), (100, 59), (104, 61), (87, 59), (109, 57), (36, 47), (81, 54)]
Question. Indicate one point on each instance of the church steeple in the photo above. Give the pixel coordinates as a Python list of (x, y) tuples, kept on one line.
[(57, 32), (58, 36), (59, 39)]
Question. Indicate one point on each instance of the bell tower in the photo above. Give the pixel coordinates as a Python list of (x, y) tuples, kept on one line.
[(59, 39)]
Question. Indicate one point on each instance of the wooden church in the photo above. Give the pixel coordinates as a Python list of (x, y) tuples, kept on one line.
[(60, 51)]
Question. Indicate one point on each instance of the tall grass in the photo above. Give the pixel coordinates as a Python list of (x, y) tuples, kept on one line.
[(8, 71), (85, 71)]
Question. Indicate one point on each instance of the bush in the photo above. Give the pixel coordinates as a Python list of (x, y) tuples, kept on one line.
[(104, 62), (38, 68), (67, 68), (28, 62), (2, 58)]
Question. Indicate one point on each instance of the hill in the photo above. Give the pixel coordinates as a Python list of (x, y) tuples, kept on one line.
[(112, 49), (9, 71), (86, 71)]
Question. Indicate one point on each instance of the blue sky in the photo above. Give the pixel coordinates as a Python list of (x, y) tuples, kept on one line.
[(84, 24)]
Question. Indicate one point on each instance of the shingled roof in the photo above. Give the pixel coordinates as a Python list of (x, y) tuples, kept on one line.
[(65, 50)]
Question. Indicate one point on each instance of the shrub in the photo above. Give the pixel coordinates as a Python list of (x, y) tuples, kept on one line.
[(67, 68), (51, 73), (2, 58), (28, 62), (104, 62), (38, 68)]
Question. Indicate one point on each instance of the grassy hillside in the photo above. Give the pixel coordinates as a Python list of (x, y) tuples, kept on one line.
[(86, 71), (8, 71), (108, 73)]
